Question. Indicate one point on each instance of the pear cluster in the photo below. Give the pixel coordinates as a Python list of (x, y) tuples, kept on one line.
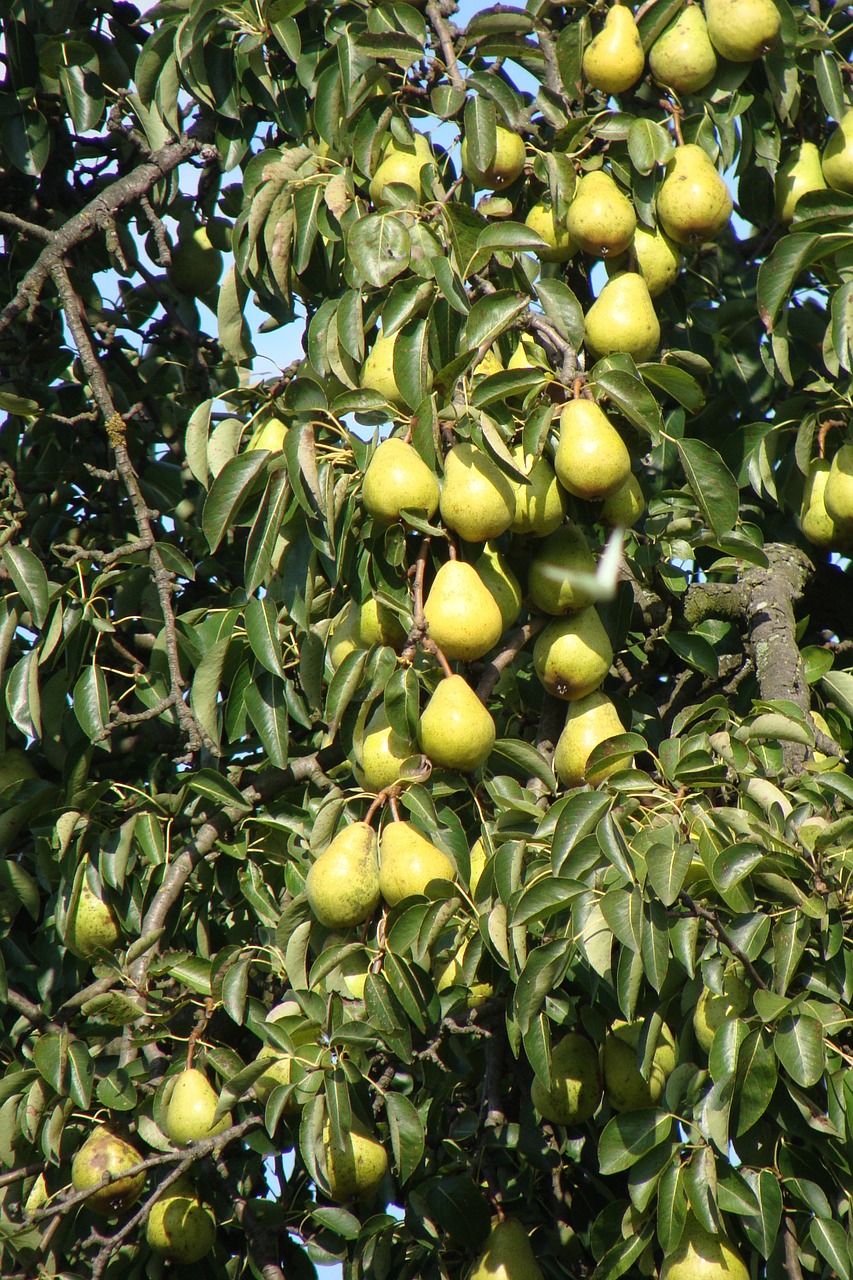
[(826, 514)]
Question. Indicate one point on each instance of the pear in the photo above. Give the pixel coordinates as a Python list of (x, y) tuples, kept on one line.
[(600, 218), (555, 560), (383, 752), (269, 436), (377, 372), (589, 722), (614, 60), (179, 1226), (491, 363), (592, 460), (713, 1010), (397, 479), (837, 159), (378, 625), (626, 1088), (658, 258), (622, 318), (576, 1087), (456, 731), (463, 616), (196, 265), (683, 58), (356, 1171), (507, 165), (555, 232), (408, 862), (452, 974), (742, 30), (815, 521), (477, 860), (528, 355), (190, 1109), (345, 635), (500, 581), (507, 1255), (838, 494), (693, 204), (701, 1256), (91, 925), (399, 164), (477, 500), (104, 1152), (624, 506), (15, 769), (540, 505), (573, 655), (795, 178), (835, 764), (279, 1072), (343, 884)]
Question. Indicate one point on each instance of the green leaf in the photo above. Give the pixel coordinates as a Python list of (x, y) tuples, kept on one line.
[(266, 704), (627, 1137), (677, 383), (577, 819), (526, 757), (228, 493), (649, 144), (799, 1046), (671, 1208), (713, 485), (543, 898), (212, 785), (839, 686), (841, 325), (92, 703), (755, 1080), (480, 132), (833, 1244), (791, 255), (489, 317), (541, 974), (30, 579), (630, 396), (407, 1134), (265, 532), (695, 651), (562, 308), (26, 140), (380, 248), (261, 618)]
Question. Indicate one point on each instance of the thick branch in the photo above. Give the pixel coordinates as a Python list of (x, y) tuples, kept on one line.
[(514, 643)]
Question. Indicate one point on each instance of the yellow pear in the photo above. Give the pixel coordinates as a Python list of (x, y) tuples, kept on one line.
[(838, 494), (589, 722), (477, 500), (624, 506), (573, 655), (555, 560), (383, 752), (377, 372), (507, 165), (354, 971), (626, 1088), (554, 232), (378, 625), (463, 616), (622, 318), (693, 204), (614, 60), (575, 1083), (701, 1256), (456, 731), (658, 259), (713, 1010), (815, 521), (592, 460), (91, 925), (683, 58), (104, 1152), (540, 505), (179, 1226), (279, 1072), (600, 218), (408, 862), (742, 30), (490, 363), (190, 1109), (397, 479), (795, 178), (343, 884), (837, 159), (500, 581), (196, 265), (399, 164), (477, 860), (452, 974), (269, 436), (507, 1255), (357, 1170), (835, 764), (527, 355)]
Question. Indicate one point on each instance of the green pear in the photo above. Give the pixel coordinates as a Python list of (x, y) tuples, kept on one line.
[(456, 731), (269, 436), (795, 178), (408, 862), (500, 581), (589, 722), (658, 259), (623, 319), (190, 1109), (683, 58), (452, 974), (554, 232), (383, 752), (377, 372), (507, 1255), (837, 159), (742, 30), (540, 505), (279, 1072), (91, 926), (356, 1171), (477, 500), (378, 625), (626, 1088), (713, 1010), (576, 1087), (592, 460), (815, 521), (625, 505), (693, 204), (343, 884), (402, 165), (701, 1256), (614, 60), (104, 1152), (397, 479), (549, 578), (507, 165), (573, 655), (179, 1226), (600, 218), (196, 265), (463, 616), (838, 494)]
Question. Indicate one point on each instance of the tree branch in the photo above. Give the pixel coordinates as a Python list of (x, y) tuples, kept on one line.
[(445, 39), (514, 643)]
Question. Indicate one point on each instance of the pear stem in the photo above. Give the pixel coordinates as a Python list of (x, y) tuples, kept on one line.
[(823, 430), (394, 807), (386, 796), (431, 647), (198, 1031)]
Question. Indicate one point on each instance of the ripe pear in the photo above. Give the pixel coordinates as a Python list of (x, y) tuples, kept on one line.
[(105, 1152), (693, 204), (624, 507), (399, 164), (190, 1109), (540, 505), (549, 578), (463, 616), (815, 521), (397, 479), (528, 355), (456, 731), (452, 974), (555, 232), (589, 722), (713, 1010), (91, 926), (378, 625), (343, 884), (507, 1255), (600, 218), (838, 494), (383, 752), (837, 159), (408, 862), (356, 1171), (835, 763), (477, 860), (196, 265), (179, 1226), (701, 1256), (500, 581), (742, 30), (795, 178), (614, 60), (377, 372), (592, 460), (477, 500), (507, 165), (626, 1088), (622, 318), (269, 436), (683, 58), (490, 363), (573, 655), (658, 259), (576, 1087)]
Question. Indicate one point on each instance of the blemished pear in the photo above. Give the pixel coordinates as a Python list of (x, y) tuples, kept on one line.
[(408, 862), (712, 1010), (573, 655), (693, 204), (795, 178), (701, 1256), (399, 164), (357, 1170), (91, 925), (838, 494), (555, 560), (589, 722), (624, 507), (397, 479), (190, 1109), (658, 259), (463, 617), (540, 506), (742, 30), (507, 165), (180, 1227), (383, 752), (600, 218), (592, 460), (625, 1086), (683, 58), (576, 1086), (477, 500), (343, 884), (500, 581), (614, 60), (554, 232), (623, 318), (456, 731), (837, 159), (815, 521), (507, 1255), (105, 1152)]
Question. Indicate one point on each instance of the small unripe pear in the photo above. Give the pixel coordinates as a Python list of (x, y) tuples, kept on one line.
[(501, 583), (104, 1152), (614, 59), (456, 731), (383, 752), (397, 479), (658, 259), (600, 218), (343, 884), (713, 1010), (91, 925), (589, 722), (815, 521), (191, 1107), (269, 436)]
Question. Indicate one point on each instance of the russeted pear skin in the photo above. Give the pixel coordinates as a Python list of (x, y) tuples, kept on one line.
[(837, 159), (815, 521), (463, 616), (397, 479), (576, 1087), (589, 722), (507, 1255), (343, 884), (540, 506), (693, 204), (625, 506), (408, 862), (456, 731), (501, 583), (799, 174), (191, 1107), (742, 30), (623, 319), (683, 58), (357, 1170), (600, 218), (613, 61), (701, 1256), (573, 655), (105, 1152), (477, 500), (549, 578), (592, 460), (626, 1088), (179, 1226), (838, 494)]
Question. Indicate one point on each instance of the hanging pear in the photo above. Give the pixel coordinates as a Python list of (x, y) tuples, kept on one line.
[(614, 60), (540, 505), (506, 166), (815, 521), (658, 259), (701, 1256), (742, 30), (556, 560), (191, 1108), (554, 231), (624, 507), (402, 165), (573, 655), (589, 722), (683, 58), (507, 1255), (463, 616), (408, 862), (600, 218), (477, 500), (837, 159), (838, 494), (383, 752), (456, 731), (795, 178), (496, 575), (623, 318), (693, 204), (592, 460), (397, 479), (343, 884), (357, 1170), (576, 1087), (105, 1152)]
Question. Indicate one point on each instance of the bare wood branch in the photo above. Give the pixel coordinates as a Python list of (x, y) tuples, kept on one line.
[(513, 645)]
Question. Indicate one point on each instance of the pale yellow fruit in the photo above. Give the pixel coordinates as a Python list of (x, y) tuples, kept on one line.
[(191, 1107), (623, 319), (838, 494), (507, 1255), (592, 460), (554, 232), (104, 1152), (573, 655), (837, 159), (477, 500), (658, 259), (624, 506), (540, 506), (343, 884), (463, 616), (377, 372), (527, 355), (742, 30), (356, 1171), (179, 1226), (575, 1083), (507, 165), (477, 859), (589, 722), (501, 583), (490, 364), (701, 1256), (614, 60), (456, 731), (269, 436), (91, 925), (378, 625), (556, 559), (196, 265), (835, 763), (693, 204), (713, 1010), (683, 58), (815, 521), (279, 1072), (600, 218), (354, 971), (626, 1088), (408, 862), (401, 165), (383, 752), (397, 479), (798, 175)]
